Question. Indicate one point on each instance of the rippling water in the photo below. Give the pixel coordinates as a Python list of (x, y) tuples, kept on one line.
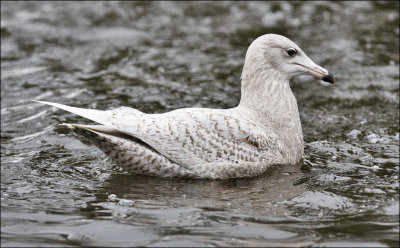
[(58, 189)]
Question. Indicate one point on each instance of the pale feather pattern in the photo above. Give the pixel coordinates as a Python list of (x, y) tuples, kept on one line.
[(244, 141)]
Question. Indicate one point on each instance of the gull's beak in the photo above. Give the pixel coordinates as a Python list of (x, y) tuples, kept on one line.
[(319, 72)]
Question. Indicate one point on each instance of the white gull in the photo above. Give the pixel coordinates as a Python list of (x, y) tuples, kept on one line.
[(263, 130)]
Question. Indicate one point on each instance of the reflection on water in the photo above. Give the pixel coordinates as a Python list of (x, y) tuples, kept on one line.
[(57, 189)]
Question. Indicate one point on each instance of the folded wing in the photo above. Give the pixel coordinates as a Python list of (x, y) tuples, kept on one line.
[(190, 136), (194, 136)]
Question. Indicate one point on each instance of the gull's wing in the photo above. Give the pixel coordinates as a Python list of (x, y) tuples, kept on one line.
[(190, 136), (197, 136)]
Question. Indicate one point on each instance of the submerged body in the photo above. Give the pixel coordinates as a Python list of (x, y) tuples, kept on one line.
[(263, 130)]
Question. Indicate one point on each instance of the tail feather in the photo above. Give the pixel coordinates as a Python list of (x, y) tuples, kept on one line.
[(98, 116)]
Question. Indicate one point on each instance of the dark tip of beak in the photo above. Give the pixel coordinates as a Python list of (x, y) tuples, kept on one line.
[(329, 78)]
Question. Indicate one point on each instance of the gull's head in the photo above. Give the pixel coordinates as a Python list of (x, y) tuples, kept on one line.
[(276, 52)]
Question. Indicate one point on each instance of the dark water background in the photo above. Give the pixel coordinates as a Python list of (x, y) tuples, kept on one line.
[(57, 189)]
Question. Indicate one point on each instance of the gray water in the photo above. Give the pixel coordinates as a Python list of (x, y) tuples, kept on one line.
[(57, 189)]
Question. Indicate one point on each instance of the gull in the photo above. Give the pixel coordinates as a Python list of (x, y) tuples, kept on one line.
[(264, 130)]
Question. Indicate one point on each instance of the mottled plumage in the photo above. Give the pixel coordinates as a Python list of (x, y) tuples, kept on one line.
[(244, 141)]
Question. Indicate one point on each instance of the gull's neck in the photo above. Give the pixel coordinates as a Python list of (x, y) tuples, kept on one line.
[(267, 94), (264, 89)]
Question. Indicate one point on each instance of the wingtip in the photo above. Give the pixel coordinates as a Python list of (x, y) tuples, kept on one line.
[(98, 116), (38, 101), (53, 104)]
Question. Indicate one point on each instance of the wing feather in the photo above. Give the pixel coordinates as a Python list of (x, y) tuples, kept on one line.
[(196, 136)]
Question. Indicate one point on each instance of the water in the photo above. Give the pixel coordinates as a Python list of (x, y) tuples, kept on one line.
[(57, 189)]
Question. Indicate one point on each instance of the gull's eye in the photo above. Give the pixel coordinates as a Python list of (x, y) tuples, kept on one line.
[(292, 52)]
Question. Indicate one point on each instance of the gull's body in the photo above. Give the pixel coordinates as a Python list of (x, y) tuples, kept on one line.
[(263, 130)]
